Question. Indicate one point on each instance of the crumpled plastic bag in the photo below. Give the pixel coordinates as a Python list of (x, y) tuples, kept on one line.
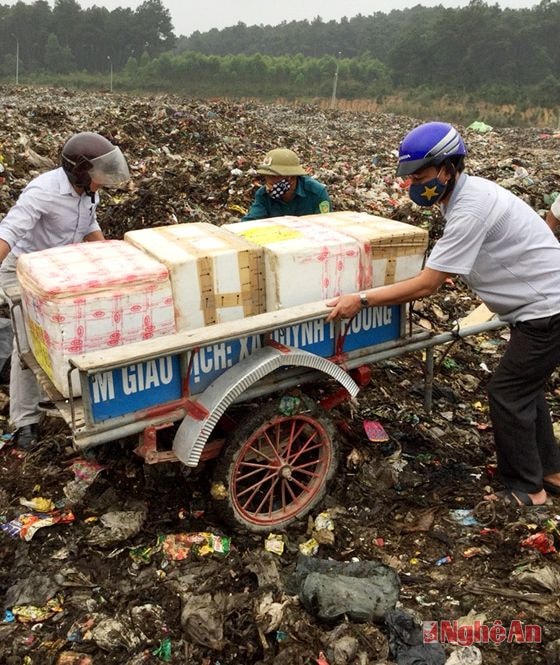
[(465, 656), (362, 591), (406, 641), (110, 634), (203, 617), (117, 526), (36, 589)]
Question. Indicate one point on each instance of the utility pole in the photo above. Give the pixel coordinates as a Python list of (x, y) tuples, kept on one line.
[(17, 59), (335, 82), (110, 73)]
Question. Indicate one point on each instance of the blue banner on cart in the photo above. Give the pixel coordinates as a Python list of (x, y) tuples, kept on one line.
[(156, 382), (135, 387), (371, 326)]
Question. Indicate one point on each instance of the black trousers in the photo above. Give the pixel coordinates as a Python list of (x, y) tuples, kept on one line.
[(525, 445)]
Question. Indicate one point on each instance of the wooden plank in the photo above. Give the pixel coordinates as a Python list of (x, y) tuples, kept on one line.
[(219, 332)]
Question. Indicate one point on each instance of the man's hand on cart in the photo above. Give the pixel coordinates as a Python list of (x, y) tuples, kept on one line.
[(344, 307)]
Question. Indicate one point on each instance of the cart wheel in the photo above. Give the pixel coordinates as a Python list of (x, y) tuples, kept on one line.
[(275, 467)]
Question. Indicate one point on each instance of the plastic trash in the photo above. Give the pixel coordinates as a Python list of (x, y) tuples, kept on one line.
[(38, 503), (465, 656), (27, 525), (180, 546), (361, 591), (464, 517), (375, 431), (542, 542), (406, 641), (73, 658), (163, 651), (480, 127), (274, 543), (116, 526), (309, 547)]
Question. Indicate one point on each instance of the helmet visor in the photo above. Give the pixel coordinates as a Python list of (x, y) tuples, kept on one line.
[(110, 169)]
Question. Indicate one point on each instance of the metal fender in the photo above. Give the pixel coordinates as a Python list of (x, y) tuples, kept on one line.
[(193, 434)]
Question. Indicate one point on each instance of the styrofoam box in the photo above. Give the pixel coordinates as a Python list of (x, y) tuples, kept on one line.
[(390, 250), (304, 261), (91, 296), (215, 275)]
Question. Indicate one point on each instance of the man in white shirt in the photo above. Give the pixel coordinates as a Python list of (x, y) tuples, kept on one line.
[(56, 208), (553, 215), (508, 256)]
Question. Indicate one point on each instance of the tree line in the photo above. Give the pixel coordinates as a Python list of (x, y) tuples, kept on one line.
[(499, 55), (68, 38)]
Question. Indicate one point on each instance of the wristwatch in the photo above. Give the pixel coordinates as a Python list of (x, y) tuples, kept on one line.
[(363, 300)]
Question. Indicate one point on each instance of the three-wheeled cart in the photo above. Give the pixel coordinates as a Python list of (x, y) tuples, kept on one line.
[(275, 459)]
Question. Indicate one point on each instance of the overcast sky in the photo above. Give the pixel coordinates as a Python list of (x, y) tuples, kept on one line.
[(191, 15)]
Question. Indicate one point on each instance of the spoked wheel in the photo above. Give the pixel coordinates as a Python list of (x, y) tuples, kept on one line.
[(276, 467)]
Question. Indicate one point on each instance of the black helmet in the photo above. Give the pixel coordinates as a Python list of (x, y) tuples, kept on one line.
[(88, 157)]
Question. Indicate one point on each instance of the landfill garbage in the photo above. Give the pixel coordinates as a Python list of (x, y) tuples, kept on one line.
[(406, 641), (543, 542), (269, 612), (470, 655), (274, 543), (361, 591), (179, 546), (116, 526), (111, 633), (34, 614), (545, 577), (163, 651), (464, 517), (183, 169), (26, 525), (39, 504), (480, 127), (203, 617), (73, 658), (309, 547), (289, 405), (375, 431)]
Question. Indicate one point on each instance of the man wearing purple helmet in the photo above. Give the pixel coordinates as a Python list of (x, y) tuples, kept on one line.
[(507, 254)]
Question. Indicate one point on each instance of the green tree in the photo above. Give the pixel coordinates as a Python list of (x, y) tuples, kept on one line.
[(58, 59)]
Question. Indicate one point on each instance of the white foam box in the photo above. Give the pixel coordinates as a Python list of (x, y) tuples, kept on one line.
[(215, 276), (390, 250), (304, 261), (88, 297)]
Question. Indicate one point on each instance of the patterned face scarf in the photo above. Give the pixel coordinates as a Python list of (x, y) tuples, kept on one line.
[(278, 190)]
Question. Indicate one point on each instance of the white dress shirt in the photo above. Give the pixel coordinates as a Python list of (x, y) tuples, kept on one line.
[(48, 213)]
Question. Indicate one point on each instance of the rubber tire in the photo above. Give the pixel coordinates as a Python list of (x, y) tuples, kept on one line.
[(225, 469)]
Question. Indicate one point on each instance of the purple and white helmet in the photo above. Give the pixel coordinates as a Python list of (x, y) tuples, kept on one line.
[(428, 145)]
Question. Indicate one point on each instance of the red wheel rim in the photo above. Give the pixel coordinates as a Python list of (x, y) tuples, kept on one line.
[(281, 469)]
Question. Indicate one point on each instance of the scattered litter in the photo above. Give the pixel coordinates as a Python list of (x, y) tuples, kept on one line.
[(470, 655), (543, 542), (480, 127), (27, 525), (374, 431), (179, 546), (274, 543), (361, 591), (406, 641), (464, 517)]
